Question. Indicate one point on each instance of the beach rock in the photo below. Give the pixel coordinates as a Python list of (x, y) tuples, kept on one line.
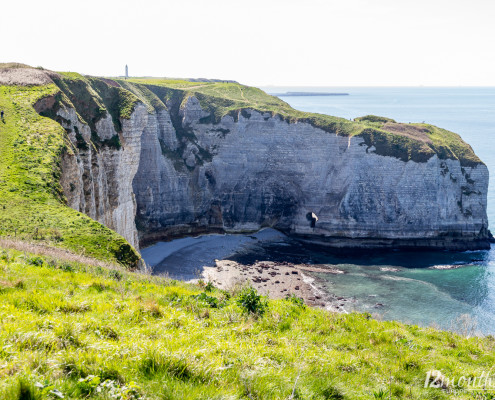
[(389, 269)]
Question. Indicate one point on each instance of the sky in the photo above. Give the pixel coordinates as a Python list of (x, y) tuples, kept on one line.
[(259, 42)]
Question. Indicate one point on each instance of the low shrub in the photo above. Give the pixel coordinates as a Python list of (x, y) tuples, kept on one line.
[(211, 301), (36, 261), (251, 302), (298, 301), (114, 274), (209, 287)]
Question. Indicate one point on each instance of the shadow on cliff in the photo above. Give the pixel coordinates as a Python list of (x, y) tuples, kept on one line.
[(294, 251)]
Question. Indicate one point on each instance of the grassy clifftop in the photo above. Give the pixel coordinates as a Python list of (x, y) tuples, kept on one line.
[(80, 331), (417, 142), (32, 203)]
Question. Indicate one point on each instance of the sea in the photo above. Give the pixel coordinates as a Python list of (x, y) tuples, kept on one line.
[(448, 290)]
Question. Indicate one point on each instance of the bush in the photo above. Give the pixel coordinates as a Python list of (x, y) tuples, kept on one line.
[(88, 385), (298, 301), (5, 256), (36, 261), (114, 274), (373, 118), (251, 302), (67, 267), (209, 287), (211, 301)]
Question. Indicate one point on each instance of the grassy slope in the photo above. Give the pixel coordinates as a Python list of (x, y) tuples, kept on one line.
[(62, 322), (228, 98), (31, 199)]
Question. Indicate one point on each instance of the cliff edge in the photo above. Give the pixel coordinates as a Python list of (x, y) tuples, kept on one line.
[(152, 159)]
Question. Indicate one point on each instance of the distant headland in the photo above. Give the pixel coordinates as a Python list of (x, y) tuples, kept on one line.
[(310, 94)]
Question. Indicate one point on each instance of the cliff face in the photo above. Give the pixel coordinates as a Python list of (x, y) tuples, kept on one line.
[(98, 182), (177, 170), (262, 171)]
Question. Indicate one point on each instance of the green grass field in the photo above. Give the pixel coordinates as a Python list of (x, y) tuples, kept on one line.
[(80, 331)]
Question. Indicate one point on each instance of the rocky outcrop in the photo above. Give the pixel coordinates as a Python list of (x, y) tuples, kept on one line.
[(172, 170)]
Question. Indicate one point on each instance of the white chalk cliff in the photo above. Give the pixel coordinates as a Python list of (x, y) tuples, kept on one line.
[(176, 172)]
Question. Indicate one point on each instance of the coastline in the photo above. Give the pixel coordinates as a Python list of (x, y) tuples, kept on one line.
[(273, 279), (408, 287), (183, 258), (276, 280)]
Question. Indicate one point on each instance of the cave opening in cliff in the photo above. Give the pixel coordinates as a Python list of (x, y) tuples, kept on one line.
[(312, 218)]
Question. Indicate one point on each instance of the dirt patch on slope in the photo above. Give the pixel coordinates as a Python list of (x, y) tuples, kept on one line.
[(110, 82), (25, 77), (55, 252), (410, 131), (44, 104)]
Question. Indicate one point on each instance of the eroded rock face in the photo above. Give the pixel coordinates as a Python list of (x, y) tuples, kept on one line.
[(177, 175), (98, 182), (262, 171)]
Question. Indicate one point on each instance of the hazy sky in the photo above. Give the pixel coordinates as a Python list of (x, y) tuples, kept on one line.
[(259, 42)]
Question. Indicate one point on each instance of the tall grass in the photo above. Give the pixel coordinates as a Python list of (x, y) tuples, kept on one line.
[(74, 329)]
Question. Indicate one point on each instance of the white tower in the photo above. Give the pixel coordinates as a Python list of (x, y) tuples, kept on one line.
[(126, 72)]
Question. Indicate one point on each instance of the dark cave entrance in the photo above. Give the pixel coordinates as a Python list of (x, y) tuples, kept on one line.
[(312, 218)]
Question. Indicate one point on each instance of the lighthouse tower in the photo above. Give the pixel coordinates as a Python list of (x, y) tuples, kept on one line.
[(126, 72)]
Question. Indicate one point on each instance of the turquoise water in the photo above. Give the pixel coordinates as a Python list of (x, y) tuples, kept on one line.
[(415, 291), (399, 285)]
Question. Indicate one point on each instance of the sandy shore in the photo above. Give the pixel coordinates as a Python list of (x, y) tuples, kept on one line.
[(276, 280), (185, 258), (191, 257)]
